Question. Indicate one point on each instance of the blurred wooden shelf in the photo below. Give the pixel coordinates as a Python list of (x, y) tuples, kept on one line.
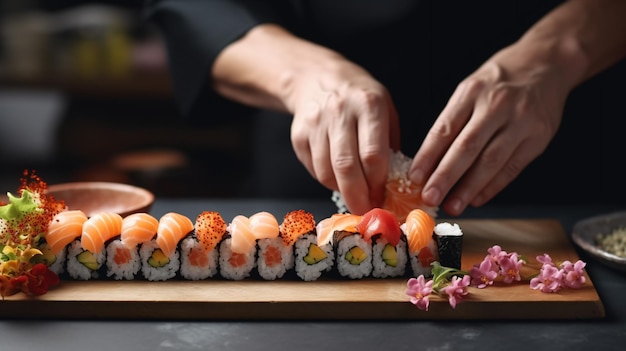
[(145, 84)]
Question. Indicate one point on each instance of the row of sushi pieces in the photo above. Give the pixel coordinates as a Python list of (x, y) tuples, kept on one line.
[(347, 246)]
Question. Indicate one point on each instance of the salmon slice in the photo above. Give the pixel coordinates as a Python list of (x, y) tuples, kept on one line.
[(172, 228), (122, 255), (402, 195), (418, 229), (272, 256), (337, 222), (198, 257), (264, 225), (210, 228), (138, 228), (64, 227), (242, 239), (296, 223), (98, 229)]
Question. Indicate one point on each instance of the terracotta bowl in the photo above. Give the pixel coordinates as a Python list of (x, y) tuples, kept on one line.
[(94, 197)]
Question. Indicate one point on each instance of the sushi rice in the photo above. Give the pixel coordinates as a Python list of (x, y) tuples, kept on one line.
[(278, 269), (344, 245), (166, 271), (127, 270), (230, 271), (197, 272), (78, 270), (312, 271), (381, 269)]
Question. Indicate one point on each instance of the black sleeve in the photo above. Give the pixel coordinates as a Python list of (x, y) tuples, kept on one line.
[(195, 32)]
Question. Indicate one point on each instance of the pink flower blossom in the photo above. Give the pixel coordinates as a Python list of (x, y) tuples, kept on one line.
[(510, 266), (483, 274), (457, 289), (548, 280), (545, 259), (419, 290), (573, 274)]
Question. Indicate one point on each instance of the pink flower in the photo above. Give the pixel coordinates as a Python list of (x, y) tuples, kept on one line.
[(545, 259), (457, 289), (510, 266), (573, 274), (548, 280), (484, 274), (419, 289)]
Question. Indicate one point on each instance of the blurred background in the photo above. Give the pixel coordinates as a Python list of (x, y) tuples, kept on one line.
[(85, 95)]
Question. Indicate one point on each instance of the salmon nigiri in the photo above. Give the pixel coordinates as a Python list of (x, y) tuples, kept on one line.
[(98, 229), (264, 225), (64, 228), (138, 228), (337, 222), (418, 227), (172, 228), (242, 239), (423, 251)]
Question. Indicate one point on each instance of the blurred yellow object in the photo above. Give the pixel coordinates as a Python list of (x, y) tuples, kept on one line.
[(117, 47)]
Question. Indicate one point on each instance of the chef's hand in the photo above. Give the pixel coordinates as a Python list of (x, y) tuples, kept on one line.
[(343, 127), (496, 122)]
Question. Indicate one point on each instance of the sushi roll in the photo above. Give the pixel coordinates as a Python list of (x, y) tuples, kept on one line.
[(198, 251), (122, 259), (274, 255), (314, 254), (389, 255), (64, 228), (422, 247), (160, 258), (353, 253), (449, 239), (237, 252), (86, 257), (295, 227)]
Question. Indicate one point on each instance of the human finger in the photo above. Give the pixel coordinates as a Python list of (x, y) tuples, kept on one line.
[(442, 134)]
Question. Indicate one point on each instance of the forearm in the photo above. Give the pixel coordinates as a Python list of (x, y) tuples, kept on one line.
[(583, 37), (260, 68)]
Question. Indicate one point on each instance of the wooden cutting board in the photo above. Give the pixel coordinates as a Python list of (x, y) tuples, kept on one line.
[(330, 298)]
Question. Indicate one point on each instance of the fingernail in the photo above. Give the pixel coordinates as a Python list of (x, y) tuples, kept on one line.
[(432, 196), (417, 176), (456, 206)]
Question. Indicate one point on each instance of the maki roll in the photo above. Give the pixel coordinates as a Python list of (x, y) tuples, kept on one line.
[(198, 253), (353, 254), (382, 229), (160, 259), (274, 255), (450, 244), (314, 254), (123, 259), (296, 225), (238, 249), (64, 228), (86, 257), (422, 247)]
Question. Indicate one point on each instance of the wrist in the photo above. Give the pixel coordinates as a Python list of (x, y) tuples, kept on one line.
[(564, 55)]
